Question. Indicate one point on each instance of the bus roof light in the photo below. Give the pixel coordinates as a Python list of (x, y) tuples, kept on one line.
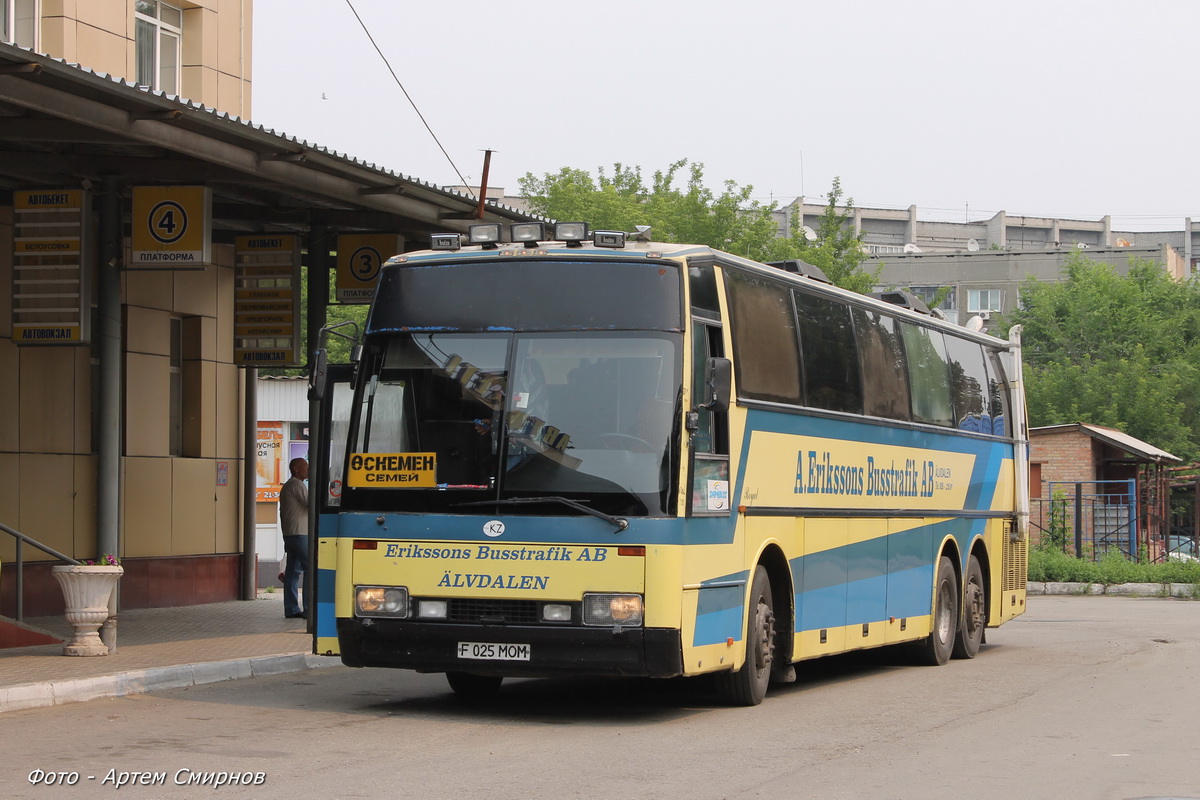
[(446, 241), (528, 232), (573, 233), (615, 239), (487, 234)]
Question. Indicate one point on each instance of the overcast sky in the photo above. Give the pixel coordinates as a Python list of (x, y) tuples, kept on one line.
[(1050, 108)]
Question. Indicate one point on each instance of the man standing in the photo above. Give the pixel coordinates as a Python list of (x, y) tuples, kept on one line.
[(293, 519)]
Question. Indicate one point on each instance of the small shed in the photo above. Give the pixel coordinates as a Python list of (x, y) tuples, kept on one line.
[(1095, 489)]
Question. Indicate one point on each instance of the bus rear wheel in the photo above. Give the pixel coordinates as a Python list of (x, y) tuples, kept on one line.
[(474, 687), (935, 650), (974, 618), (748, 685)]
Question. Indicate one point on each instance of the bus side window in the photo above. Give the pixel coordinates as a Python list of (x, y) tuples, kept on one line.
[(885, 376), (968, 384), (998, 396), (711, 435), (710, 442), (766, 347), (928, 375), (830, 354)]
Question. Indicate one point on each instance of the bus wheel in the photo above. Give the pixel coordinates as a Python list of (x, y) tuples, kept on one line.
[(474, 687), (970, 634), (748, 685), (936, 650)]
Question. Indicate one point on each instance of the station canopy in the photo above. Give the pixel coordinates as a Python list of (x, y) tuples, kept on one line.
[(64, 127)]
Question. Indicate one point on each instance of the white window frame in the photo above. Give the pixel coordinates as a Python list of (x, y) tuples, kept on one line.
[(980, 300), (14, 11), (155, 69)]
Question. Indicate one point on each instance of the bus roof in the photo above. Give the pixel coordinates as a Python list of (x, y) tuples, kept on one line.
[(635, 249)]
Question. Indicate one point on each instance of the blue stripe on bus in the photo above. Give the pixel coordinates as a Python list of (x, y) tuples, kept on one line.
[(581, 530), (719, 614), (326, 619)]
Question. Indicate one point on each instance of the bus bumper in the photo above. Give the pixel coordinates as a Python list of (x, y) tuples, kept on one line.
[(425, 647)]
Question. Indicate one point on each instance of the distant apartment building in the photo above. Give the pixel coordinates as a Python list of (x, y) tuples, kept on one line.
[(983, 263)]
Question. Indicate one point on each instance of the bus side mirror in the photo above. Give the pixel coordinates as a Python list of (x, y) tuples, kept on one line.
[(316, 381), (718, 378)]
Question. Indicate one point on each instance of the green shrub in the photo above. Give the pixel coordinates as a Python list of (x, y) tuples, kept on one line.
[(1056, 566), (1049, 565)]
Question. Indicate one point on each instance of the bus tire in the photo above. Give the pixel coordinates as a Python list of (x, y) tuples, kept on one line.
[(974, 616), (474, 687), (936, 649), (748, 685)]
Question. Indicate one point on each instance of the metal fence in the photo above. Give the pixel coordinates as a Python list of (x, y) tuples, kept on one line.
[(1088, 519)]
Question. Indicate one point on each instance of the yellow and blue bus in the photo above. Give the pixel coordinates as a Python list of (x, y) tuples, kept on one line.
[(581, 453)]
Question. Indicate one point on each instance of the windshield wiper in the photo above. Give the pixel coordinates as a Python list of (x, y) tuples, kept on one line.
[(619, 523)]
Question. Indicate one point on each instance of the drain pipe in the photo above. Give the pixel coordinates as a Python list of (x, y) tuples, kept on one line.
[(108, 393), (249, 485)]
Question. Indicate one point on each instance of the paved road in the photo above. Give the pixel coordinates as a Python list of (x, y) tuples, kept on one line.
[(1081, 698)]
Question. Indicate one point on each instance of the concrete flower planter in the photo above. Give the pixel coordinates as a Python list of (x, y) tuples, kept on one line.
[(86, 590)]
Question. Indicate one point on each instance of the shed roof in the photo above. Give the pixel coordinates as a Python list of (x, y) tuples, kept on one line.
[(1111, 436)]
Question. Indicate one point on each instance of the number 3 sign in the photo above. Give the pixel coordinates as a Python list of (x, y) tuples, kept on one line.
[(359, 258)]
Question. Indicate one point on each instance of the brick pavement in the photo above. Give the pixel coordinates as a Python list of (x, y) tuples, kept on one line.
[(160, 648)]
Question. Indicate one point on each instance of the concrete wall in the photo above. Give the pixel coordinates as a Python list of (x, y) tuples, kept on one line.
[(180, 527), (1005, 270)]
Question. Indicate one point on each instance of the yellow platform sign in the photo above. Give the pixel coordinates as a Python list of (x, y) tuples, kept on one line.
[(359, 258), (172, 227)]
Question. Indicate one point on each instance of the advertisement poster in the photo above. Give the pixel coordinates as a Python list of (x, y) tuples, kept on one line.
[(269, 464)]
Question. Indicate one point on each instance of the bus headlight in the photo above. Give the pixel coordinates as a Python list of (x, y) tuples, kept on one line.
[(381, 601), (609, 610)]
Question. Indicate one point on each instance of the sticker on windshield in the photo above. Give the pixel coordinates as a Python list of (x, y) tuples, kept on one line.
[(394, 470), (718, 495)]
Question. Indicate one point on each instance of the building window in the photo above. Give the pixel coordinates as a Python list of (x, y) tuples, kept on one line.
[(21, 22), (159, 29), (983, 300), (929, 296)]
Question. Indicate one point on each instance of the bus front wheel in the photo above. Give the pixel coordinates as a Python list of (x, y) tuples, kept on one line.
[(748, 685), (936, 650), (474, 687)]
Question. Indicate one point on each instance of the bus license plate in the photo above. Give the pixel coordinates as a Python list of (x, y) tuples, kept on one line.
[(491, 651)]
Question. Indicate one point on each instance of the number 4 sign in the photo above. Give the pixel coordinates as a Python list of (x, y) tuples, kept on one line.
[(171, 227)]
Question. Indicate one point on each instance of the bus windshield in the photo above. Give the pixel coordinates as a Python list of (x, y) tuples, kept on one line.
[(586, 416)]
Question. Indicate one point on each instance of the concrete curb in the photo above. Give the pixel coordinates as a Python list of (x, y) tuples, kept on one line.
[(1180, 590), (40, 695)]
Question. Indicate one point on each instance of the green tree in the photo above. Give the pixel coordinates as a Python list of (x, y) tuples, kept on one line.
[(1113, 350), (836, 248), (729, 221)]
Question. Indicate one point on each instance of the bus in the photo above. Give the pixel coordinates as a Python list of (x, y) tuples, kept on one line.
[(576, 452)]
